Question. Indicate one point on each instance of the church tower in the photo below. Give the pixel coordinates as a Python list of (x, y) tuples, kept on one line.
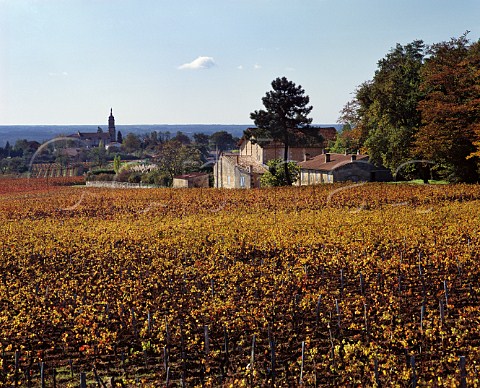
[(111, 127)]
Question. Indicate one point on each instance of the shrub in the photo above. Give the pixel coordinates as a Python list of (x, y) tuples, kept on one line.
[(134, 177), (123, 175)]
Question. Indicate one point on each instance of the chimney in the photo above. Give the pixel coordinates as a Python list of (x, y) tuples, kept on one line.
[(327, 158), (353, 157), (305, 156)]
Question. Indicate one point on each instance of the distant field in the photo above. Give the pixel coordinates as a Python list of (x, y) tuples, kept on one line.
[(347, 285)]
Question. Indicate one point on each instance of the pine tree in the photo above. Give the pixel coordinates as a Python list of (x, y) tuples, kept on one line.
[(285, 117)]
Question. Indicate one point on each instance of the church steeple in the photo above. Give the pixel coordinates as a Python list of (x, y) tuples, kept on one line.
[(111, 126)]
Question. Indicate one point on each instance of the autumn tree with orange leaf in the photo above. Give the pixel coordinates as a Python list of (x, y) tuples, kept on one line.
[(450, 108)]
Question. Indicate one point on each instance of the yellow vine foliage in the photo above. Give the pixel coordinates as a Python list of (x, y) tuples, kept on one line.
[(128, 282)]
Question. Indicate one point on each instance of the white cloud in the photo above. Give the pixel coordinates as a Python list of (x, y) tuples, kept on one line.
[(62, 74), (257, 66), (240, 67), (199, 63)]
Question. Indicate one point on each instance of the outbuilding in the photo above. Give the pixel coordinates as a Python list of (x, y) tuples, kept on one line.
[(194, 179), (331, 167)]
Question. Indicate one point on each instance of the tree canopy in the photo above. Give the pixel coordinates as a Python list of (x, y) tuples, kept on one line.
[(222, 140), (451, 107), (387, 106), (275, 176), (174, 158), (422, 103), (284, 119)]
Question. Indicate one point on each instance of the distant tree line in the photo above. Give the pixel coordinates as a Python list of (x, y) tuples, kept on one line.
[(14, 159), (423, 104), (174, 154), (169, 154), (153, 142)]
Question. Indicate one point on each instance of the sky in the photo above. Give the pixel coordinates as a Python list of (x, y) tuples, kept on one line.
[(65, 62)]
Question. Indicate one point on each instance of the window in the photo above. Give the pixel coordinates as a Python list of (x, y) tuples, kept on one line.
[(242, 181)]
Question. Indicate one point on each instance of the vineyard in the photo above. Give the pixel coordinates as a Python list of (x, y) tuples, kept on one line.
[(333, 285)]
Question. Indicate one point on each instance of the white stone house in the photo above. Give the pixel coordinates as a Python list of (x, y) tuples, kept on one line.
[(233, 170)]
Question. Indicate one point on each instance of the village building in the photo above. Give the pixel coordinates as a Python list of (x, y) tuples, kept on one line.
[(194, 179), (234, 170), (331, 167)]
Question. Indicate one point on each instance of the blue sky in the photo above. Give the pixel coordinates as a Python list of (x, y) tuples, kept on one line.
[(200, 61)]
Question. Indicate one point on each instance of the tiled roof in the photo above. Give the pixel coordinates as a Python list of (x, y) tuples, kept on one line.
[(190, 175), (336, 160)]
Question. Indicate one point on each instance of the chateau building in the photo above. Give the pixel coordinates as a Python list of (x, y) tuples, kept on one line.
[(244, 168)]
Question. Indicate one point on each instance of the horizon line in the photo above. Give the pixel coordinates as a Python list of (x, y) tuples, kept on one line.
[(142, 124), (58, 125)]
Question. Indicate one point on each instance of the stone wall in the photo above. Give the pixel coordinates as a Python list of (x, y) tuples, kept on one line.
[(119, 185)]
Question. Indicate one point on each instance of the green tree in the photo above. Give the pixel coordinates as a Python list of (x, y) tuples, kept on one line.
[(201, 142), (222, 140), (201, 138), (346, 141), (25, 148), (13, 165), (116, 163), (175, 158), (450, 118), (275, 176), (8, 149), (149, 141), (98, 155), (181, 138), (131, 143), (284, 119), (386, 107), (119, 137)]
